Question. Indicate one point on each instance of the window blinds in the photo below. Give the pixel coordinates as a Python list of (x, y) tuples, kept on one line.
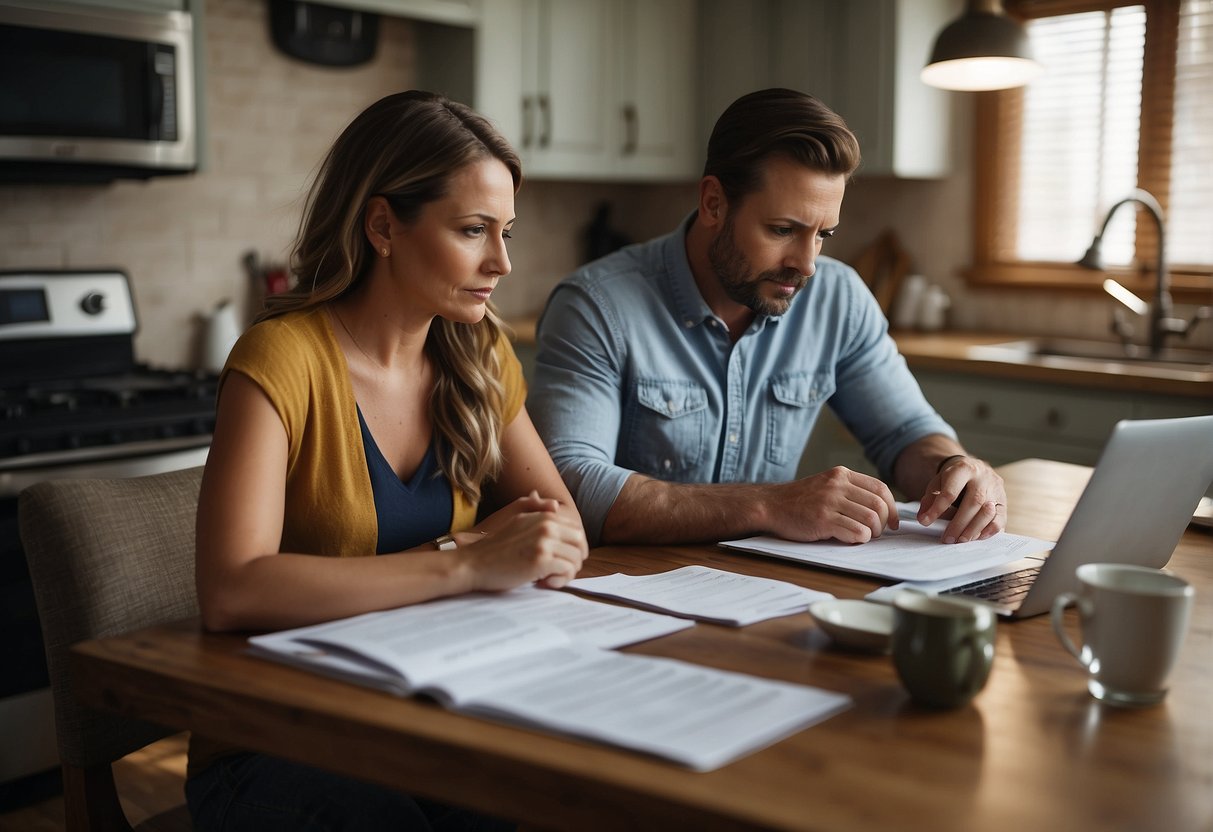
[(1081, 122), (1080, 142), (1190, 214)]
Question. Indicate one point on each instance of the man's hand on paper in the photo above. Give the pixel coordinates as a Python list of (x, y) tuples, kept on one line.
[(980, 511), (838, 504)]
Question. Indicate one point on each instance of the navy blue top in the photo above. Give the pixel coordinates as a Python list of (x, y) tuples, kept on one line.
[(409, 513)]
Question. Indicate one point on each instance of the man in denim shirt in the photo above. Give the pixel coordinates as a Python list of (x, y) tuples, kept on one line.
[(678, 380)]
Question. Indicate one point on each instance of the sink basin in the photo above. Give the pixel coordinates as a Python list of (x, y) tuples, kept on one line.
[(1058, 350)]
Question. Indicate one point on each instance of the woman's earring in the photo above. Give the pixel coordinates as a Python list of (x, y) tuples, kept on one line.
[(383, 251)]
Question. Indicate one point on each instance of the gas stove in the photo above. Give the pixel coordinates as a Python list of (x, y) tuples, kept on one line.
[(70, 388), (67, 420), (73, 403)]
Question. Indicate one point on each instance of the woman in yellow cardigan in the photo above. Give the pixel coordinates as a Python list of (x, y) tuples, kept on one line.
[(376, 408)]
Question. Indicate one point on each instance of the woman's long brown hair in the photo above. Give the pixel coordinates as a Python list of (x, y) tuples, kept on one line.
[(407, 147)]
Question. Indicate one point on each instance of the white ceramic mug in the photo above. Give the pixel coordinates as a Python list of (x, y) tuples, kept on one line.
[(1133, 622)]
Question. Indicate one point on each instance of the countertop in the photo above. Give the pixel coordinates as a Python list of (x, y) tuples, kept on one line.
[(961, 352)]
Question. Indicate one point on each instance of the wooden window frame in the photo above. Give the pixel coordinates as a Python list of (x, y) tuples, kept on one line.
[(998, 117)]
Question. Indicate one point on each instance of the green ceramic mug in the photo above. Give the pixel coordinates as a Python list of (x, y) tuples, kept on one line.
[(942, 647)]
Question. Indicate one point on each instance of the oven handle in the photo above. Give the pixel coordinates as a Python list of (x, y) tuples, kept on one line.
[(135, 459)]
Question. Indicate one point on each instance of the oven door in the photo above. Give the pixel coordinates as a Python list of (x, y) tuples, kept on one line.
[(27, 723)]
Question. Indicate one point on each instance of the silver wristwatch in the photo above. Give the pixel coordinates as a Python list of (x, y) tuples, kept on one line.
[(445, 542)]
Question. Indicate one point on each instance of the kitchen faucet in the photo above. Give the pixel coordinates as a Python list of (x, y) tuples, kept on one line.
[(1162, 324)]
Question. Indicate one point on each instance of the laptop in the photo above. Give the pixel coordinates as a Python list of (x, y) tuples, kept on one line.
[(1148, 481)]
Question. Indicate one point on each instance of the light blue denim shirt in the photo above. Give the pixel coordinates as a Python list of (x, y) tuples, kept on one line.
[(635, 374)]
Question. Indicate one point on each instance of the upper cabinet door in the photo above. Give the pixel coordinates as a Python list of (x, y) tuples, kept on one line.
[(903, 125), (657, 98), (592, 89), (569, 48), (861, 57)]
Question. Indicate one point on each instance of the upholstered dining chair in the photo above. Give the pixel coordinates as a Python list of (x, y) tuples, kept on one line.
[(106, 556)]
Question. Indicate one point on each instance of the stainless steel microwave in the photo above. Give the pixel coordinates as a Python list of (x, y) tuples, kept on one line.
[(93, 94)]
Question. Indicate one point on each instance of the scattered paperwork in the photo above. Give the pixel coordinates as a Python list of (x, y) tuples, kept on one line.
[(706, 594), (538, 658)]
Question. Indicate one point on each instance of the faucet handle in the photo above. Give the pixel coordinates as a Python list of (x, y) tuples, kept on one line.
[(1121, 327), (1182, 328), (1202, 313)]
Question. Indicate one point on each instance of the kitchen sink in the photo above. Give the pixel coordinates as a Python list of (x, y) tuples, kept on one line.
[(1068, 350)]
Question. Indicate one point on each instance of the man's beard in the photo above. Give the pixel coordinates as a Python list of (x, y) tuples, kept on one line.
[(734, 273)]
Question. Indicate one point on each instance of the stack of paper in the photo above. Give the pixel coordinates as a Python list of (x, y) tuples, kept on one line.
[(912, 553), (705, 593), (535, 657)]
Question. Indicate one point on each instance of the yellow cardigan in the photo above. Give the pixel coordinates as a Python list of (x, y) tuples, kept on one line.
[(330, 509)]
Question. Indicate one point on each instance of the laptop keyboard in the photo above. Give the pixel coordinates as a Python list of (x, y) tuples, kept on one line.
[(1006, 590)]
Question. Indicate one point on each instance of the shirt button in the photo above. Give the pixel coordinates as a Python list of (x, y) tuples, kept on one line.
[(666, 464), (732, 437), (673, 406), (688, 324), (712, 323)]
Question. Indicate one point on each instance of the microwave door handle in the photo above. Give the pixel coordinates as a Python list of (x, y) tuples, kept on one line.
[(155, 98)]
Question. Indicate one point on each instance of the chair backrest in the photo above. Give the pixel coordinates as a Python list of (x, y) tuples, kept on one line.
[(106, 556)]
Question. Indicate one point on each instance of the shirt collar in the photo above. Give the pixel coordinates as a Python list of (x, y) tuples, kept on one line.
[(688, 303)]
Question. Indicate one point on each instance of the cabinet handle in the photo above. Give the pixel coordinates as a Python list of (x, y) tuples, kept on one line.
[(527, 121), (981, 411), (545, 114), (631, 129)]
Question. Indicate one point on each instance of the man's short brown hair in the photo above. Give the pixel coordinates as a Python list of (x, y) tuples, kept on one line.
[(780, 122)]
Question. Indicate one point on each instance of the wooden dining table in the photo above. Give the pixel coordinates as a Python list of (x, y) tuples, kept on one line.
[(1033, 750)]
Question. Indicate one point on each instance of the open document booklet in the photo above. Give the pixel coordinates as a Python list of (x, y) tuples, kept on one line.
[(543, 659), (911, 553)]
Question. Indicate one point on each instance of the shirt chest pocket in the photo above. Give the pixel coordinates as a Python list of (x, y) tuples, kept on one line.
[(795, 401), (668, 427)]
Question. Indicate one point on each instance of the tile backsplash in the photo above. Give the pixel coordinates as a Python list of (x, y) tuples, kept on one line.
[(270, 119)]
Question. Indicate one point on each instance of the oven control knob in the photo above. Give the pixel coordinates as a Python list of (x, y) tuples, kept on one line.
[(93, 303)]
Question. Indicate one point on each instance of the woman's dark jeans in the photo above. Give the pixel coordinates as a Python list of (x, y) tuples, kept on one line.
[(259, 793)]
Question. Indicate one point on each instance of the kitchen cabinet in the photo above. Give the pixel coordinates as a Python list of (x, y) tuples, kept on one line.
[(592, 89), (139, 5), (861, 57), (453, 12), (1003, 420)]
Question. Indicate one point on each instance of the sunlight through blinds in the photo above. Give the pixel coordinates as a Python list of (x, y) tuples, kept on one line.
[(1081, 122), (1080, 130), (1190, 214)]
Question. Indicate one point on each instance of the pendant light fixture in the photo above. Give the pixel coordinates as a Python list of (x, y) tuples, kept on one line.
[(983, 49)]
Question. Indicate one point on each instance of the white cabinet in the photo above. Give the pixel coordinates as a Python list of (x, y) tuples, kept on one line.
[(1003, 420), (1006, 420), (454, 12), (861, 57), (592, 89)]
